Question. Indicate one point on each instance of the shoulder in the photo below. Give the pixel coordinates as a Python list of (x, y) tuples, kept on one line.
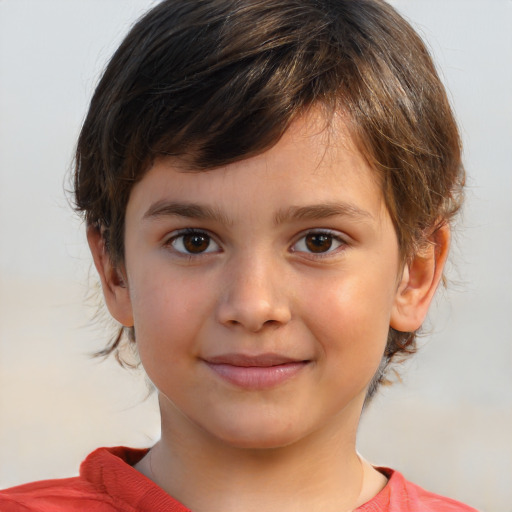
[(84, 492), (108, 482), (69, 494), (400, 495)]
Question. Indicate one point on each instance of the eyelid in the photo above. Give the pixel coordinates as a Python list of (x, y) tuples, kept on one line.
[(336, 235), (174, 235)]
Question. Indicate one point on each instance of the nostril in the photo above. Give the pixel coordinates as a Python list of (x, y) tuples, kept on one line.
[(253, 324)]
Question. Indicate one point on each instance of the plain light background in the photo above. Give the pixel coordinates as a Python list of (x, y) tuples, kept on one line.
[(448, 426)]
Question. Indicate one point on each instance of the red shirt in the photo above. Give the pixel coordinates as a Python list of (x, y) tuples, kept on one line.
[(109, 483)]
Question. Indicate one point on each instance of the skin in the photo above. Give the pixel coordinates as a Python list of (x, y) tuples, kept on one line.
[(295, 256)]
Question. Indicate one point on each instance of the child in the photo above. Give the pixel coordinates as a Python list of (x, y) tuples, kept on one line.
[(268, 187)]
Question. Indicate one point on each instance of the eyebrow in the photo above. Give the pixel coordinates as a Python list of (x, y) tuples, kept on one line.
[(311, 212), (188, 210), (322, 211)]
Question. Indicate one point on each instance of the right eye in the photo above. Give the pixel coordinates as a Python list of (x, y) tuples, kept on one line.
[(193, 241)]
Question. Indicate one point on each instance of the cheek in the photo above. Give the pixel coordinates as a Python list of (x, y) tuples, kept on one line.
[(167, 316), (351, 321)]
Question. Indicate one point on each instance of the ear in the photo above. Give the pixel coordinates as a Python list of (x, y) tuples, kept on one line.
[(419, 281), (113, 282)]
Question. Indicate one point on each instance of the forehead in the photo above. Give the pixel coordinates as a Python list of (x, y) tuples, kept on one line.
[(314, 163)]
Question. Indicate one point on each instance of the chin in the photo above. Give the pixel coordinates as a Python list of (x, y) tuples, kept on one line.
[(259, 442), (257, 435)]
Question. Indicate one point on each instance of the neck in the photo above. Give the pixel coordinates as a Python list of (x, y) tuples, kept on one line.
[(321, 471)]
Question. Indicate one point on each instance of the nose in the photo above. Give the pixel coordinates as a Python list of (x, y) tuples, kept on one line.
[(254, 297)]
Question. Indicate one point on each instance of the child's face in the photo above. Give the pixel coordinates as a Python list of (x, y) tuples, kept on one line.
[(262, 292)]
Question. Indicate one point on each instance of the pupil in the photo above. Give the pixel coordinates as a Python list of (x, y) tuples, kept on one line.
[(196, 243), (318, 243)]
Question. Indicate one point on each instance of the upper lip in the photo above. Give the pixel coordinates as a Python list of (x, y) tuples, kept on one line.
[(245, 360)]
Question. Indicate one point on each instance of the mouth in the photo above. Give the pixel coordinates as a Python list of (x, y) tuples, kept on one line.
[(257, 372)]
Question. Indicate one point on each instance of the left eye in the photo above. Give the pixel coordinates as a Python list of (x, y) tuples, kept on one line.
[(193, 242), (318, 242)]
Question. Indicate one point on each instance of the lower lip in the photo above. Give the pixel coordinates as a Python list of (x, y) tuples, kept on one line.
[(257, 377)]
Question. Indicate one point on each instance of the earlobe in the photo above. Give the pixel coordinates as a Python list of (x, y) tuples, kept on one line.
[(419, 281), (113, 282)]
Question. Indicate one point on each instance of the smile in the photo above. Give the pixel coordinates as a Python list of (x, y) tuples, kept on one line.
[(255, 372)]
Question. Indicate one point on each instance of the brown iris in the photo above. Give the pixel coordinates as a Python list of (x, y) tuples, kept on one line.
[(196, 243), (318, 242)]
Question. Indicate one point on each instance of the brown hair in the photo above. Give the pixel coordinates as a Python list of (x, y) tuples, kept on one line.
[(216, 81)]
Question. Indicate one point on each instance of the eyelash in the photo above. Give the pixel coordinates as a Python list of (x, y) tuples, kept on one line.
[(332, 238), (180, 236)]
